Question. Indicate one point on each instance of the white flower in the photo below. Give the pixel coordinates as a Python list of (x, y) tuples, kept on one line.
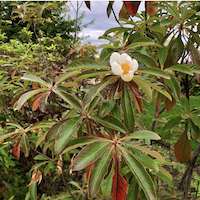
[(123, 65)]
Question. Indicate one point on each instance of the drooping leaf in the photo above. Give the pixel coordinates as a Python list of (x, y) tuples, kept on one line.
[(109, 8), (143, 178), (16, 150), (25, 144), (65, 132), (119, 185), (132, 7), (150, 9), (89, 154), (143, 134), (127, 107), (177, 48), (181, 68), (43, 102), (133, 190), (85, 64), (123, 14), (87, 3), (169, 104), (98, 172), (182, 148), (111, 122)]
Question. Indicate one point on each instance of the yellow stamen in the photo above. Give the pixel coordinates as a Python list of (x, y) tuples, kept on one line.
[(126, 67)]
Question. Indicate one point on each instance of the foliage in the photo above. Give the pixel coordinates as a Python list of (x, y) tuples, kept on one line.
[(80, 124)]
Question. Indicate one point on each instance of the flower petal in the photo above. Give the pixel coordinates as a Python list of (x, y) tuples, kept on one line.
[(114, 57), (127, 77), (124, 58), (116, 68), (134, 65)]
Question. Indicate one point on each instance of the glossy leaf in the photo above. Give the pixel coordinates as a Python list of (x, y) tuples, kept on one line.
[(143, 134), (182, 148), (98, 172), (127, 107), (111, 122), (155, 71), (85, 64), (65, 132), (89, 154), (143, 178)]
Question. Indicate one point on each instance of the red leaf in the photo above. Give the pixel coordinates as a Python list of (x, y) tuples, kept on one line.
[(151, 10), (34, 85), (134, 88), (72, 51), (119, 185), (182, 148), (132, 7), (16, 150), (89, 170)]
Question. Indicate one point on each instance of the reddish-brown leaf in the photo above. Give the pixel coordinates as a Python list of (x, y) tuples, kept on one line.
[(16, 150), (197, 76), (137, 104), (134, 88), (43, 102), (36, 102), (157, 106), (72, 51), (169, 104), (119, 185), (34, 85), (123, 14), (182, 148), (13, 74), (87, 3), (89, 170), (150, 9), (132, 7)]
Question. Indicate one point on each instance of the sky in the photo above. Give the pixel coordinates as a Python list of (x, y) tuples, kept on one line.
[(101, 23)]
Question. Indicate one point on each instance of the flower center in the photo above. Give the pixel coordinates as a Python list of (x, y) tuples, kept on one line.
[(126, 68)]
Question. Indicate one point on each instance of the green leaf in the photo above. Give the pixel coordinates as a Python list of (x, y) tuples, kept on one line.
[(93, 104), (143, 134), (90, 74), (127, 107), (37, 165), (98, 172), (152, 83), (142, 43), (106, 107), (28, 95), (174, 86), (117, 29), (152, 153), (162, 53), (105, 54), (33, 190), (69, 98), (177, 48), (40, 157), (65, 132), (147, 161), (25, 144), (111, 122), (133, 190), (181, 68), (3, 137), (195, 119), (143, 178), (81, 141), (65, 76), (189, 13), (94, 91), (109, 8), (155, 71), (117, 112), (85, 64), (144, 59), (89, 154), (171, 123), (36, 79)]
